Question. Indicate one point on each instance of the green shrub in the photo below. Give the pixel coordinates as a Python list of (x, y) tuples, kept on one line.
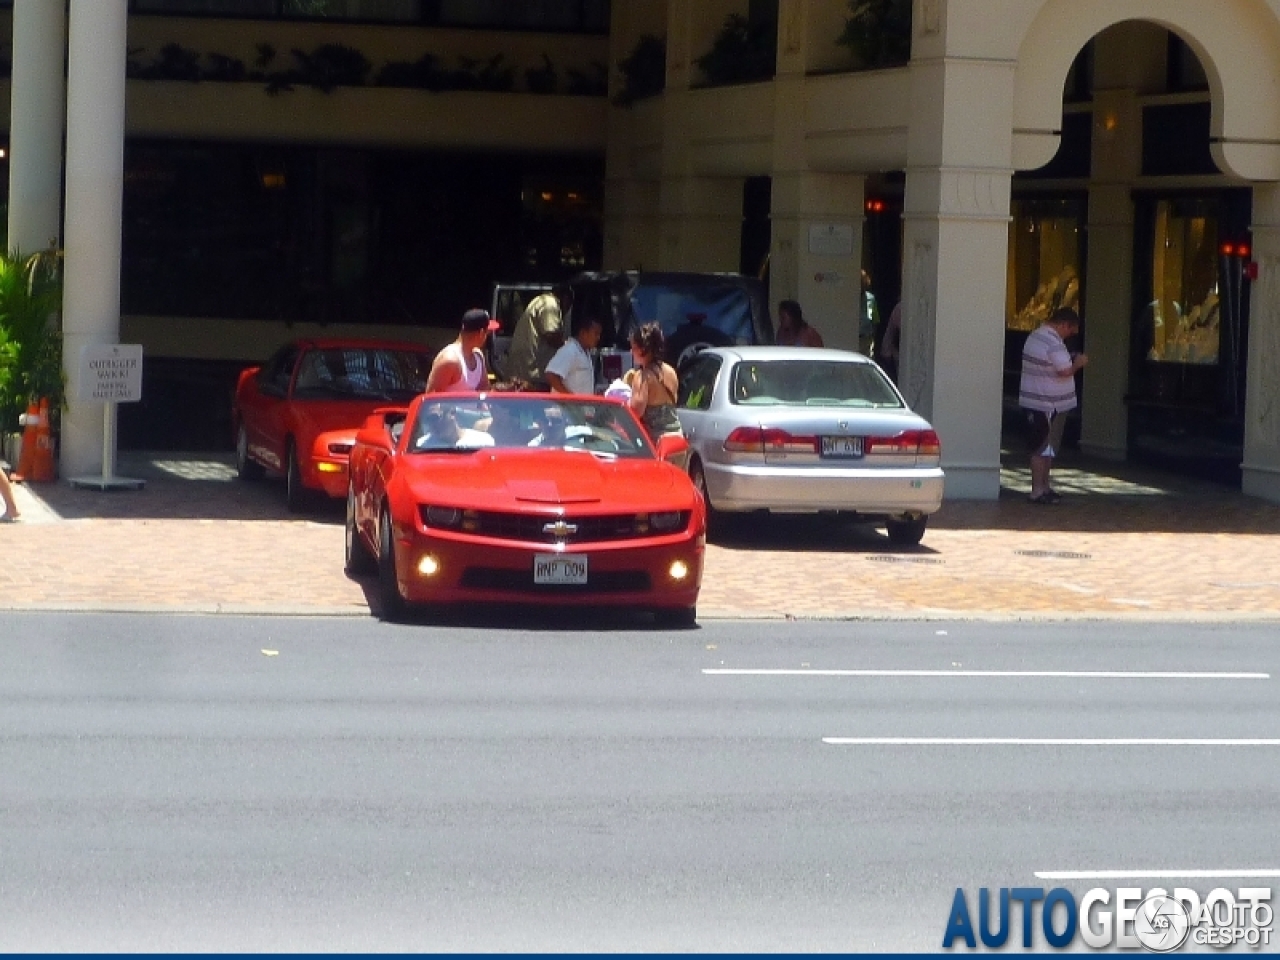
[(878, 33), (30, 333)]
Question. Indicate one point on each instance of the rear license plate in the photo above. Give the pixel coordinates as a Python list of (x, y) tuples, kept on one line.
[(559, 568), (842, 446)]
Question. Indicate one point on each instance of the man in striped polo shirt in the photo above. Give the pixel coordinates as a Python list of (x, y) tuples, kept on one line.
[(1047, 393)]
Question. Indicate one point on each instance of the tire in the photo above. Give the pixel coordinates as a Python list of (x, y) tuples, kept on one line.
[(678, 618), (699, 477), (246, 468), (359, 560), (690, 340), (392, 606), (906, 533), (296, 497)]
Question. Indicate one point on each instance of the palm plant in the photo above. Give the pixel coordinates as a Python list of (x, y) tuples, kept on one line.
[(30, 333)]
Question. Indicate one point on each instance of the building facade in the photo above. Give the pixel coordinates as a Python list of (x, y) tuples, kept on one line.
[(982, 160)]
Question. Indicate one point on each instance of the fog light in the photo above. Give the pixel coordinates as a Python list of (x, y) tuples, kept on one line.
[(428, 566), (679, 570)]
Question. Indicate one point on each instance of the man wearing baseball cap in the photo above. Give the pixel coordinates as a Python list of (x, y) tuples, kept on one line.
[(460, 367)]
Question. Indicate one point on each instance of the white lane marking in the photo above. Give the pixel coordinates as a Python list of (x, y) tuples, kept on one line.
[(1047, 742), (1157, 874), (1051, 674)]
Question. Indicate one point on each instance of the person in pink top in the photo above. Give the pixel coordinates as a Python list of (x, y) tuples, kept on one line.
[(460, 367), (792, 329)]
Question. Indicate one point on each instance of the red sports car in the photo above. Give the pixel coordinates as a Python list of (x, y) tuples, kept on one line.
[(297, 414), (523, 498)]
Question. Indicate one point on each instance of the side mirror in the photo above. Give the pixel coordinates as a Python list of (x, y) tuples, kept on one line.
[(671, 446)]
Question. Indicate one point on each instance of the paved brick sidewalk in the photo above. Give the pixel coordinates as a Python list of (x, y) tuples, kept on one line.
[(1124, 544)]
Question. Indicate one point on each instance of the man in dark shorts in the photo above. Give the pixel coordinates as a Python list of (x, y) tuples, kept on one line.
[(1048, 392)]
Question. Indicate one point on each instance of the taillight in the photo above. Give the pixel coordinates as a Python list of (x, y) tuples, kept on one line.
[(768, 440), (923, 443)]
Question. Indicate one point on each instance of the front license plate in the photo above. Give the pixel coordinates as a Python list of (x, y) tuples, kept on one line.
[(559, 568), (842, 446)]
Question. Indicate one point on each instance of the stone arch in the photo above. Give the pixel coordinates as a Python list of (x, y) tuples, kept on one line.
[(1237, 41)]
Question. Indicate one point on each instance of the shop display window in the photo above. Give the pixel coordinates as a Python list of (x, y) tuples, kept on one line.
[(1184, 314), (1045, 254)]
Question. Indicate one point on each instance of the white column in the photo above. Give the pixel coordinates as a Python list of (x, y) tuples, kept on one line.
[(955, 250), (37, 101), (95, 179), (1261, 466)]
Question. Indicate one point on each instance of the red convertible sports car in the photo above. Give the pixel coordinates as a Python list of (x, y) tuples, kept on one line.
[(523, 498), (297, 414)]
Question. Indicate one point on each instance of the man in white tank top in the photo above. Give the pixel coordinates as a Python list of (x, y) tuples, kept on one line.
[(460, 367)]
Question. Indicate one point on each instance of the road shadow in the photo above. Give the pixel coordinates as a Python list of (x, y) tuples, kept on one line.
[(182, 486), (593, 618), (1098, 496)]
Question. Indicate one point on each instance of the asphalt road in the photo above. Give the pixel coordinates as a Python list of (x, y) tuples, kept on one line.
[(222, 783)]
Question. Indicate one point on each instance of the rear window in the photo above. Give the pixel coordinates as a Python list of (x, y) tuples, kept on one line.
[(813, 383)]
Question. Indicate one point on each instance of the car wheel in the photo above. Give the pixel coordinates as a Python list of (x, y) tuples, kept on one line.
[(358, 558), (906, 533), (699, 477), (682, 618), (296, 496), (390, 601), (246, 469)]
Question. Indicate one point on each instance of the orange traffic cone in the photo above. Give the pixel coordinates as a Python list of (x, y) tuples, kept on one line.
[(44, 470), (30, 423)]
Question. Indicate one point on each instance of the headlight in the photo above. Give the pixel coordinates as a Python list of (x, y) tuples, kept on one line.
[(667, 521), (450, 518), (446, 517)]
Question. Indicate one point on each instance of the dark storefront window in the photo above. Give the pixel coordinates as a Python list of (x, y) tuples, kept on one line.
[(346, 236), (574, 16), (1045, 272), (1187, 362)]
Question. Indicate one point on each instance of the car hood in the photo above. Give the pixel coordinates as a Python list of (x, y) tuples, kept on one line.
[(322, 416), (529, 479)]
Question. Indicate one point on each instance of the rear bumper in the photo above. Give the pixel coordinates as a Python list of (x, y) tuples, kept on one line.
[(872, 491), (488, 571)]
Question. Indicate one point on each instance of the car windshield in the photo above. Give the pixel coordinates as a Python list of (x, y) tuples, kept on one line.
[(813, 383), (365, 373), (510, 421)]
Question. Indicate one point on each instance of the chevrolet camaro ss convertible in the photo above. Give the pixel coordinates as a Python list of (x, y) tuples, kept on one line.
[(523, 498)]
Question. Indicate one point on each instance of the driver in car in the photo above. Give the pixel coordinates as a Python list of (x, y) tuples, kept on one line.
[(441, 431)]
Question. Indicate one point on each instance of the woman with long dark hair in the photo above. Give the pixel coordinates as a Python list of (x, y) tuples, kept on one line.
[(653, 383)]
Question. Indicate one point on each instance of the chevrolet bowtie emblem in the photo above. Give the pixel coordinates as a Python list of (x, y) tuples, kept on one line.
[(560, 529)]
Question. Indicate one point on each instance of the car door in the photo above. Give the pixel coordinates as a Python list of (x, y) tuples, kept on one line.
[(270, 420), (693, 403)]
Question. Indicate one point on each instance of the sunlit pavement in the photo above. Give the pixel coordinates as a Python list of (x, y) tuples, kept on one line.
[(1124, 543)]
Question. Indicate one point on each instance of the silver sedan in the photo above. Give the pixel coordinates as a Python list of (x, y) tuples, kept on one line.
[(799, 430)]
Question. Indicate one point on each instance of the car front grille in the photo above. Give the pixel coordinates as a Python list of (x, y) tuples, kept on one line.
[(521, 581), (525, 528)]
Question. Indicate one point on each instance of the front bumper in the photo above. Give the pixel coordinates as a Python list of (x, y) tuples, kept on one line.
[(882, 491), (482, 570)]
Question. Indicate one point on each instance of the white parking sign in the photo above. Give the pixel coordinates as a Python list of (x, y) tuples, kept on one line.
[(110, 373)]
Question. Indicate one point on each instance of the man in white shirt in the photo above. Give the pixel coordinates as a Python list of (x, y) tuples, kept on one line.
[(1047, 392), (571, 370)]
